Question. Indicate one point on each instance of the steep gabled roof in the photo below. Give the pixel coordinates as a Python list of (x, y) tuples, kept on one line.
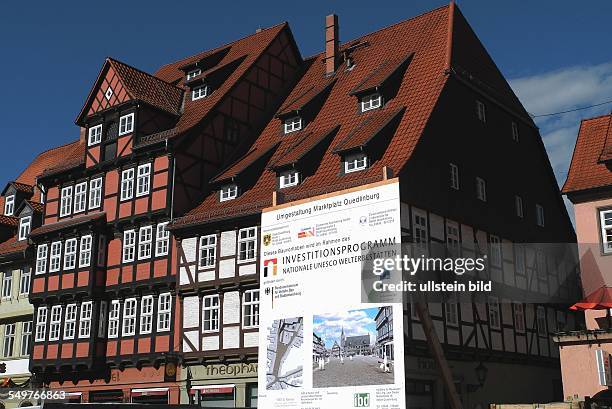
[(381, 74), (302, 100), (367, 130), (242, 164), (587, 170), (300, 148)]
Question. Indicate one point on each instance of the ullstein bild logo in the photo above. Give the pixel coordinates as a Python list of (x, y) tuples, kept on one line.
[(361, 400), (270, 266)]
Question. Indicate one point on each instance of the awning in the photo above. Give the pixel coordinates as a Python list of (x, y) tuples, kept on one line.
[(212, 389), (149, 392), (600, 299)]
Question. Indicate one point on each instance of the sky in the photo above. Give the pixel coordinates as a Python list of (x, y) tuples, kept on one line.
[(556, 54), (357, 322)]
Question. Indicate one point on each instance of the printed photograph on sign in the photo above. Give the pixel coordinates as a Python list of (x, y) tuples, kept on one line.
[(285, 354), (353, 348)]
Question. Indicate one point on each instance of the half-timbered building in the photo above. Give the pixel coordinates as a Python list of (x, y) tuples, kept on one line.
[(106, 318), (423, 101)]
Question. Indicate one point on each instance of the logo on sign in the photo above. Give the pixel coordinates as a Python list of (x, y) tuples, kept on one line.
[(361, 400), (306, 232), (267, 239), (270, 267)]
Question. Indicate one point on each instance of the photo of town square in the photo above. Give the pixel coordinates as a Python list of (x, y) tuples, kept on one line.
[(285, 354), (353, 348)]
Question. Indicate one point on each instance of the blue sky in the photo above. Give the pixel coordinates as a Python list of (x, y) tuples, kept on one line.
[(356, 322), (556, 53)]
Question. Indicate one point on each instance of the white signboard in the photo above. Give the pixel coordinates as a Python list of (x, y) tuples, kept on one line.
[(320, 347)]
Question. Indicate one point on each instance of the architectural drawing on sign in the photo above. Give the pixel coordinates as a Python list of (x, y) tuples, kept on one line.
[(285, 354)]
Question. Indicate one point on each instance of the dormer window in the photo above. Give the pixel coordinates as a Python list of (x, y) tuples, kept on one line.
[(95, 135), (293, 124), (355, 162), (126, 124), (9, 205), (193, 73), (228, 192), (25, 223), (289, 178), (371, 101), (199, 92)]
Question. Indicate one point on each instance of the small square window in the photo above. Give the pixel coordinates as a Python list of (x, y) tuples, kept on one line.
[(293, 124), (289, 178), (95, 135), (481, 111), (193, 73), (228, 192), (355, 162), (109, 93), (126, 124), (371, 101), (199, 92)]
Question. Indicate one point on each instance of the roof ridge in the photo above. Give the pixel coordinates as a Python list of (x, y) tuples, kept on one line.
[(597, 117)]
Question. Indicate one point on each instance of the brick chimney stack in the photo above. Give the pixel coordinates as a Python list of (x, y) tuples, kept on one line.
[(332, 41)]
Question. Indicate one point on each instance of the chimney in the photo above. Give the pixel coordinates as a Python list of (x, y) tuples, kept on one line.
[(82, 134), (332, 41)]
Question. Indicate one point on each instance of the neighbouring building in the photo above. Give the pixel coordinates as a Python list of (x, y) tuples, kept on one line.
[(108, 325), (423, 101), (21, 207), (384, 333), (586, 355), (318, 348)]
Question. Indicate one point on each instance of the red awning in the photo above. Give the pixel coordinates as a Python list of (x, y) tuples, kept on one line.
[(211, 389), (600, 299), (150, 392)]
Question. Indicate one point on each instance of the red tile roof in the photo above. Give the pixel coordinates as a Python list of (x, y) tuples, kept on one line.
[(13, 245), (310, 93), (371, 126), (9, 221), (62, 158), (586, 169), (244, 162), (75, 221), (302, 146), (381, 74)]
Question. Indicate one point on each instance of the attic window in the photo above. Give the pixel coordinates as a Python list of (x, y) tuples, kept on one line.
[(126, 124), (228, 192), (109, 93), (95, 135), (199, 92), (293, 124), (193, 73), (9, 205), (371, 101), (24, 227), (289, 178), (355, 162)]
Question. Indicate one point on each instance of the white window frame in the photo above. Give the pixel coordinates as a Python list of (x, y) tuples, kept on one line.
[(126, 124), (515, 131), (605, 220), (146, 314), (128, 324), (25, 224), (143, 180), (8, 343), (454, 176), (66, 201), (370, 102), (355, 162), (541, 321), (95, 193), (481, 189), (113, 319), (199, 92), (41, 324), (70, 252), (7, 285), (127, 184), (228, 192), (162, 240), (520, 260), (540, 219), (419, 229), (451, 311), (207, 251), (26, 337), (292, 124), (250, 309), (9, 205), (25, 281), (128, 253), (210, 313), (55, 260), (494, 314), (452, 238), (481, 111), (95, 135), (55, 322), (80, 197), (518, 206), (70, 321), (247, 244), (496, 251), (164, 312), (85, 250), (41, 259), (519, 317), (193, 73), (145, 242), (289, 178)]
